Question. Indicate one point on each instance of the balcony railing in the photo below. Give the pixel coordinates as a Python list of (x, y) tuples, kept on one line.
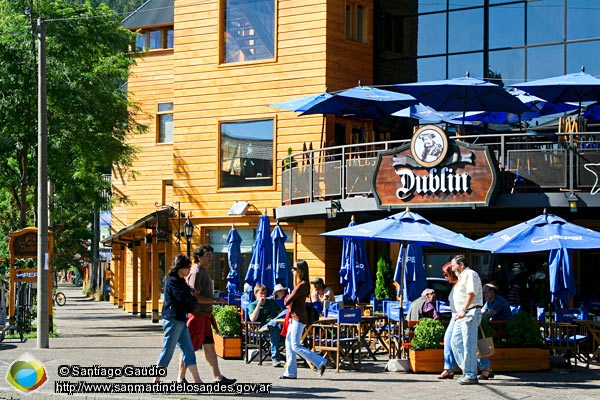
[(527, 163)]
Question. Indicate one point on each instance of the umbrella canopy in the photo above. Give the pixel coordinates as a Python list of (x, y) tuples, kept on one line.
[(542, 233), (362, 102), (415, 277), (578, 87), (260, 269), (537, 106), (426, 114), (303, 103), (463, 94), (234, 257), (592, 112), (562, 280), (355, 273), (283, 272)]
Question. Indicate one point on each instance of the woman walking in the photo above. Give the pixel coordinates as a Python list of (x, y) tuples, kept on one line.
[(178, 301), (296, 302)]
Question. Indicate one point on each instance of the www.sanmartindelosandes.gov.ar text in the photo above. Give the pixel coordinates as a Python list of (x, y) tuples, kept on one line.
[(70, 387)]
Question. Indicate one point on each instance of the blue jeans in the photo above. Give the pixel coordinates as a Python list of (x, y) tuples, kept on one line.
[(449, 360), (293, 347), (176, 333), (274, 336), (464, 342)]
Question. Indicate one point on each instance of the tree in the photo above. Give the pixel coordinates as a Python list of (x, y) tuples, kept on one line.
[(384, 286), (89, 115)]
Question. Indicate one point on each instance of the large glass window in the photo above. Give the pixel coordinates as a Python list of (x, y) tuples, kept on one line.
[(249, 30), (509, 64), (432, 34), (583, 54), (356, 22), (247, 153), (545, 21), (460, 64), (453, 4), (507, 26), (431, 69), (465, 30), (544, 62), (582, 19), (165, 122)]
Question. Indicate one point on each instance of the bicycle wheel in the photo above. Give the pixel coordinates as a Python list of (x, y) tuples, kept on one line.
[(60, 298)]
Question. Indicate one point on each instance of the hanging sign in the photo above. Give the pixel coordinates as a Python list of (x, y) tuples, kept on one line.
[(434, 170)]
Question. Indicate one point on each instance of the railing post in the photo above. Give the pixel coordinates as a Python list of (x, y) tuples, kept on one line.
[(343, 173), (311, 183)]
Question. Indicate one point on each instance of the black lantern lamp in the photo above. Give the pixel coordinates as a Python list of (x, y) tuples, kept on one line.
[(332, 211), (573, 200), (188, 232)]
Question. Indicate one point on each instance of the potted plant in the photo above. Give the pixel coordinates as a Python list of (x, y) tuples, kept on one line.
[(426, 351), (522, 347), (228, 341), (384, 288)]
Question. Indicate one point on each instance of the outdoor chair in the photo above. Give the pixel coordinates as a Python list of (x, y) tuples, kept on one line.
[(567, 338), (257, 345), (339, 343)]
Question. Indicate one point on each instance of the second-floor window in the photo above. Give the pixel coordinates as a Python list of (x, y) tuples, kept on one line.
[(165, 122), (155, 39), (249, 30), (246, 153), (356, 22)]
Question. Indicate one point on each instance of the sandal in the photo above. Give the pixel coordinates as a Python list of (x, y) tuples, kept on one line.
[(446, 374), (486, 374)]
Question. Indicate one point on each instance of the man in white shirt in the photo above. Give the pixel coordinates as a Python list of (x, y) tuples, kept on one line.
[(468, 300)]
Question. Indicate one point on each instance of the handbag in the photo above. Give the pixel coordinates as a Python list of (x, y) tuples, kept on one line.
[(485, 345)]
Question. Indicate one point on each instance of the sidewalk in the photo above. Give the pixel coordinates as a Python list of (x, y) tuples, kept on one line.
[(98, 333)]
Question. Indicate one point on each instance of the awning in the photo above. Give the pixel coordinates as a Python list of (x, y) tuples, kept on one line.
[(142, 222)]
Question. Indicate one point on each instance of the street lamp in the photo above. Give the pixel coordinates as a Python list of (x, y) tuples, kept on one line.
[(188, 232)]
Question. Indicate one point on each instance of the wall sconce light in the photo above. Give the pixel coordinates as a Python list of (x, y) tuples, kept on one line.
[(573, 200), (332, 211), (188, 232)]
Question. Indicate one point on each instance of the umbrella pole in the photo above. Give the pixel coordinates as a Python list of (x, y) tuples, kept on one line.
[(404, 253)]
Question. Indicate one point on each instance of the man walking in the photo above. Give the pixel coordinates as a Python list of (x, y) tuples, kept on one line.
[(201, 321), (468, 299)]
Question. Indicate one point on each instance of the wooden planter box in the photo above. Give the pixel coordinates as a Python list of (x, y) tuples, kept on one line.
[(517, 359), (505, 359), (229, 348), (428, 360)]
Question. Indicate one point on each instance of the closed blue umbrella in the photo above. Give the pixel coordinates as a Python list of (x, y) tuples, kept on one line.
[(562, 280), (283, 272), (355, 272), (415, 277), (234, 257), (260, 269)]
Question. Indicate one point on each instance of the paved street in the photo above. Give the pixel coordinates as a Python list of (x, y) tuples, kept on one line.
[(98, 333)]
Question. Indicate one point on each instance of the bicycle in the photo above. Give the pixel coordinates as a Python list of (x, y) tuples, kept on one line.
[(59, 298)]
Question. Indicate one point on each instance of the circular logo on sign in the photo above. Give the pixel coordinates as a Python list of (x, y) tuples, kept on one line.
[(429, 145)]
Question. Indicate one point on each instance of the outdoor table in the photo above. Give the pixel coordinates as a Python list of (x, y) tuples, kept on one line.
[(371, 334)]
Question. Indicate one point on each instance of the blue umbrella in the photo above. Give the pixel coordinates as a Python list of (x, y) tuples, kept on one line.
[(415, 277), (362, 102), (463, 94), (578, 87), (562, 281), (283, 272), (234, 257), (260, 269), (426, 114), (303, 103), (542, 233), (355, 272), (592, 112)]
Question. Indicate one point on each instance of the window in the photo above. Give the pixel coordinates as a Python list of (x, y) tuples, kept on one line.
[(165, 122), (247, 154), (356, 22), (155, 39), (249, 30)]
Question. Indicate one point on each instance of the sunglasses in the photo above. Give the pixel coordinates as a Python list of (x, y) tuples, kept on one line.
[(294, 269)]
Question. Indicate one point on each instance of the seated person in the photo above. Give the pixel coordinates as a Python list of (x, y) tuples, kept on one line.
[(496, 307), (279, 293), (263, 310), (321, 293), (423, 307)]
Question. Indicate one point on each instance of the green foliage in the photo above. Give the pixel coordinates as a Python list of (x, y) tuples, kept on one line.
[(89, 115), (384, 287), (523, 331), (228, 320), (428, 334)]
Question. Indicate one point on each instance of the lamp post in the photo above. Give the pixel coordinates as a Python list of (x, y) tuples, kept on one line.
[(188, 232)]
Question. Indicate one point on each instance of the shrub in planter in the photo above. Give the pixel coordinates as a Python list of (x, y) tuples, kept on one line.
[(228, 320), (384, 288), (523, 331), (428, 334)]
